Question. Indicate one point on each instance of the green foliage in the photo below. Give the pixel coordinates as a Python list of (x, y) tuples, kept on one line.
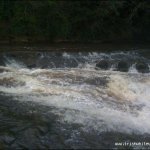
[(74, 20)]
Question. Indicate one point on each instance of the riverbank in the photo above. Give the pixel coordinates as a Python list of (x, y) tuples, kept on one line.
[(73, 46)]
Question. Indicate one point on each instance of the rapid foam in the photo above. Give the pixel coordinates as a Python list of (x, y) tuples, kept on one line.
[(102, 100)]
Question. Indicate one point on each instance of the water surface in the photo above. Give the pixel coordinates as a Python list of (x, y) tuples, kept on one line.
[(62, 100)]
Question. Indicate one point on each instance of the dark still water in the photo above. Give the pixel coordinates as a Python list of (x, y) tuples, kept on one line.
[(74, 99)]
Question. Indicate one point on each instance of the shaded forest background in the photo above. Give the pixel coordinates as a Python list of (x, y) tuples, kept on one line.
[(85, 20)]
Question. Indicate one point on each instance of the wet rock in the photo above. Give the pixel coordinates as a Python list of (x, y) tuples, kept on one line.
[(29, 60), (56, 63), (142, 67), (103, 64), (31, 66), (42, 130), (27, 139), (43, 63), (39, 54), (70, 63), (123, 66)]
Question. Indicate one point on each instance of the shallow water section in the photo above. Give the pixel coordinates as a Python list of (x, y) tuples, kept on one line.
[(63, 100)]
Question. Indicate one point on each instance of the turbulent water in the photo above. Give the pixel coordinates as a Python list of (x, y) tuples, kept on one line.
[(61, 100)]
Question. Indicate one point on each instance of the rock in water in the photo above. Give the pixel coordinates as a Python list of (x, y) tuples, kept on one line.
[(103, 64), (123, 66), (70, 63), (142, 67), (31, 66), (43, 63)]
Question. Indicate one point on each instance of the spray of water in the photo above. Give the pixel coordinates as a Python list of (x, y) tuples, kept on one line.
[(103, 100)]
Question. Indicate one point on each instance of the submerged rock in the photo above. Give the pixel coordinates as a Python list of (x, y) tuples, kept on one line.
[(103, 64), (142, 67), (43, 63), (123, 66)]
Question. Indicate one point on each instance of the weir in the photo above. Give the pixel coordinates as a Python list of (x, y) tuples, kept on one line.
[(73, 95)]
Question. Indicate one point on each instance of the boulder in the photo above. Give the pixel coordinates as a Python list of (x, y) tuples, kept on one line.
[(123, 66), (103, 64), (142, 67)]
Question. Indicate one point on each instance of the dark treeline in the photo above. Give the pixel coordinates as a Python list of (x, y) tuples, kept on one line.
[(85, 20)]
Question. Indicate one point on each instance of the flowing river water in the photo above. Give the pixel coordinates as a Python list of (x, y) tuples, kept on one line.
[(61, 100)]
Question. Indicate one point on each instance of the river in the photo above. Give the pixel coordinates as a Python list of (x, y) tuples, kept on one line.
[(60, 99)]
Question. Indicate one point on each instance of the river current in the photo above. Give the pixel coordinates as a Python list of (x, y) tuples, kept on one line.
[(61, 100)]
